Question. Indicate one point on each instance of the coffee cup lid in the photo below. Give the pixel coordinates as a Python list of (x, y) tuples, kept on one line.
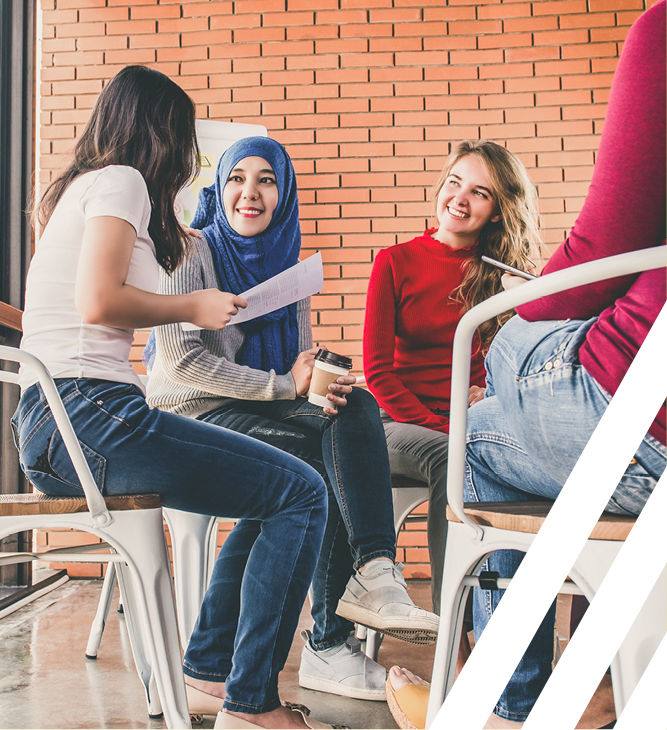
[(333, 359)]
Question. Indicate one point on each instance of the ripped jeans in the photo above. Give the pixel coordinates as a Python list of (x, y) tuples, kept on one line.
[(539, 410), (350, 452)]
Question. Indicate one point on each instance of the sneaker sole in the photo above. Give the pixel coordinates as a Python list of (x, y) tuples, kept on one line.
[(328, 685), (413, 630)]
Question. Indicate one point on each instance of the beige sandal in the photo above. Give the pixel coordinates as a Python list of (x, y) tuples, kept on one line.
[(226, 721), (408, 705)]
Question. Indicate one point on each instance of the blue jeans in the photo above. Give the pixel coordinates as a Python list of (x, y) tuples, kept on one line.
[(350, 452), (251, 610), (539, 411)]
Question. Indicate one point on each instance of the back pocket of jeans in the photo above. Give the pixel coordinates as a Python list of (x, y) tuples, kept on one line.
[(54, 465)]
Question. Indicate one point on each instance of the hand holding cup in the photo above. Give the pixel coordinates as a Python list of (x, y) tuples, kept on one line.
[(331, 375)]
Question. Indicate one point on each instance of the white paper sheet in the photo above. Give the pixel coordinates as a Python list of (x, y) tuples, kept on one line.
[(291, 285)]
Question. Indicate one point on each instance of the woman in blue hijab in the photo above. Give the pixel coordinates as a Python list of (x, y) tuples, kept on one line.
[(253, 378)]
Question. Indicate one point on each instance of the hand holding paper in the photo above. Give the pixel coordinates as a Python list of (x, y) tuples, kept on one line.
[(291, 285)]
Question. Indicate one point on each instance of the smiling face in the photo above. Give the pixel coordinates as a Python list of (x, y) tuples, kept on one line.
[(250, 196), (465, 204)]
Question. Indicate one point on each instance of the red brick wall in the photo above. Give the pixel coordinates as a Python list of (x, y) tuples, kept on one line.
[(367, 96)]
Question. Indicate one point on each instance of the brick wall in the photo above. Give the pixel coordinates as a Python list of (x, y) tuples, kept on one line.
[(367, 96)]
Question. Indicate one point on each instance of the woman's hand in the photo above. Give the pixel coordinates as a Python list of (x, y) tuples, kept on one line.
[(212, 309), (476, 394), (302, 370), (339, 390), (192, 232), (509, 281)]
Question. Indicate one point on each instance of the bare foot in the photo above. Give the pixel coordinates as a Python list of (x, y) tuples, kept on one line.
[(216, 689), (276, 720), (400, 678)]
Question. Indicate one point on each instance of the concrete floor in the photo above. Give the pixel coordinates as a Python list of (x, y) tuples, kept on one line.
[(47, 682)]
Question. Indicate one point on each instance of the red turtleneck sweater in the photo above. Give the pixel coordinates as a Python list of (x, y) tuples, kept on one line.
[(409, 330), (624, 211)]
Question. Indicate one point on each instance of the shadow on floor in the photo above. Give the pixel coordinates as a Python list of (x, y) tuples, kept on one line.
[(47, 682)]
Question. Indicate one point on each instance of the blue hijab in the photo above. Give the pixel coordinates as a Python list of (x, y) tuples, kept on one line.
[(272, 341)]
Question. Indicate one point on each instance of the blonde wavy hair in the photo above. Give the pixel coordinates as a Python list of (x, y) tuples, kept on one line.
[(514, 239)]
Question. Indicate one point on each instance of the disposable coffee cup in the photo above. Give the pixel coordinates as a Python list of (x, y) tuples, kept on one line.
[(328, 368)]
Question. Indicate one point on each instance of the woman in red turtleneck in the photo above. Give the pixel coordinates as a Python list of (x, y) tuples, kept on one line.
[(485, 204)]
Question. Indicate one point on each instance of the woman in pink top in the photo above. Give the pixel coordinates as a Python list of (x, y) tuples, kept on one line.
[(552, 370)]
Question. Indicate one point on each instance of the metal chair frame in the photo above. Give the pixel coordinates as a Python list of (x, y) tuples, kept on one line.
[(135, 536), (469, 543)]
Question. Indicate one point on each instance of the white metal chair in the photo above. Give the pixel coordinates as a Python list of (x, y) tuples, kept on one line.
[(477, 529), (132, 529), (194, 548)]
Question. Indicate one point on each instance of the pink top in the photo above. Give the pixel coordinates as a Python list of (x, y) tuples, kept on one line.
[(624, 211)]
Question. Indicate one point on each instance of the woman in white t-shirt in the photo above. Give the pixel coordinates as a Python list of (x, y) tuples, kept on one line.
[(108, 225)]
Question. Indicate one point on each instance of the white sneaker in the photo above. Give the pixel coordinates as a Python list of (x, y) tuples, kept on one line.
[(342, 670), (378, 598)]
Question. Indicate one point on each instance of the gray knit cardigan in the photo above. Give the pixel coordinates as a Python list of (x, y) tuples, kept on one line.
[(196, 372)]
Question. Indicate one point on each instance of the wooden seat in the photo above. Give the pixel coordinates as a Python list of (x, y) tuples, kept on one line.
[(529, 517), (15, 505)]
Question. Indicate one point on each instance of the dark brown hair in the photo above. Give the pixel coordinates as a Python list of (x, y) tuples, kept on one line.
[(514, 239), (144, 120)]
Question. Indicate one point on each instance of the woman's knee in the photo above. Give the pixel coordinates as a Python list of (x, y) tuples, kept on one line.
[(361, 400), (307, 485)]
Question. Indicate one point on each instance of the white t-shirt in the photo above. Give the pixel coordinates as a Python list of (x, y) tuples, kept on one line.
[(53, 329)]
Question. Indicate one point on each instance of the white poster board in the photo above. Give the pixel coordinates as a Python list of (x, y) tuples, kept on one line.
[(213, 138)]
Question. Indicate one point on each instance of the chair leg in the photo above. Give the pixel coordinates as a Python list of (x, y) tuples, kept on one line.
[(646, 707), (152, 602), (639, 646), (461, 558), (646, 632), (190, 538), (137, 642), (99, 622), (373, 643)]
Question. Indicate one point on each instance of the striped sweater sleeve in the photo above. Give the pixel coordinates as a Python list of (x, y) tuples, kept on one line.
[(197, 371)]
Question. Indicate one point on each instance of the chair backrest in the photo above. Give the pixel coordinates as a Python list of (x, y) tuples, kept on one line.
[(98, 509), (607, 268)]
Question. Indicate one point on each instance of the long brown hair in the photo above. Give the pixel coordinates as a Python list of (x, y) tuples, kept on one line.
[(144, 120), (514, 239)]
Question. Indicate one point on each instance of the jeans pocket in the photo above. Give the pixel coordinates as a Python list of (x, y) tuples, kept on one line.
[(47, 463), (122, 402), (632, 492), (548, 346)]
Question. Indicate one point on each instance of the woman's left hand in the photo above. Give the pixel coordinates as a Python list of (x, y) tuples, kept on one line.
[(192, 232), (475, 395), (338, 391)]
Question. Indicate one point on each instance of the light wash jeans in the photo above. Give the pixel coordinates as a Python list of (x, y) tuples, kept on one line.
[(524, 438), (420, 453), (261, 578), (349, 451)]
